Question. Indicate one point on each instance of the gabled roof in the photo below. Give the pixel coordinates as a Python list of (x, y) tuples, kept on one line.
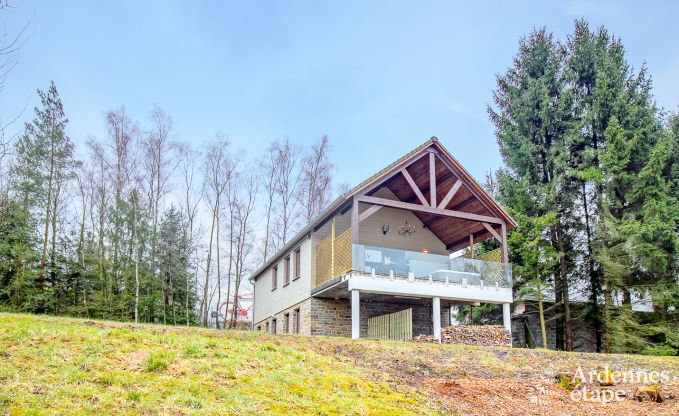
[(386, 176)]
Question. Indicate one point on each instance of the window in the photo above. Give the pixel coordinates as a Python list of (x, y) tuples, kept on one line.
[(287, 323), (274, 278), (287, 271), (259, 327), (273, 326), (296, 317), (267, 327), (298, 261)]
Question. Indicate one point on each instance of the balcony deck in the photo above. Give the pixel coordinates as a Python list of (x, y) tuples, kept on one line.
[(342, 267)]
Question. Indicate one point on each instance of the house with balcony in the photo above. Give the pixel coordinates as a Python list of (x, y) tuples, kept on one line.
[(384, 260)]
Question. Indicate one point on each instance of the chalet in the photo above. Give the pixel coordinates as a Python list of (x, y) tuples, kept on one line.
[(380, 261)]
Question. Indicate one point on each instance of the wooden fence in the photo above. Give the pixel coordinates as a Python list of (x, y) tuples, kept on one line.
[(396, 326), (333, 257)]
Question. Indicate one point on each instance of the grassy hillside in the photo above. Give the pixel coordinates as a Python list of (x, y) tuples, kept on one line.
[(59, 365)]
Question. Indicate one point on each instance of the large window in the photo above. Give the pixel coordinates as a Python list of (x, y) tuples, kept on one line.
[(274, 278), (298, 261), (287, 270)]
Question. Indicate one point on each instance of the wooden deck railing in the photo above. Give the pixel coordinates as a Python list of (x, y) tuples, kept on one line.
[(493, 255)]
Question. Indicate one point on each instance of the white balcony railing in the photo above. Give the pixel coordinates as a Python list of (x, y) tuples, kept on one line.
[(433, 267)]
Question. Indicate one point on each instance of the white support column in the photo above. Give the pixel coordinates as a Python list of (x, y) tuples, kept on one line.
[(436, 310), (506, 318), (355, 315)]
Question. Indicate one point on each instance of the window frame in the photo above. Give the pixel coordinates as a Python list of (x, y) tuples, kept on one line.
[(274, 277), (286, 322), (274, 330), (286, 276), (298, 266)]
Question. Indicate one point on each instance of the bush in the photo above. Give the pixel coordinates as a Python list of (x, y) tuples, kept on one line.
[(661, 350)]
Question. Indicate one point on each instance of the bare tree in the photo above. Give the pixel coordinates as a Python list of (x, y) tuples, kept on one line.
[(99, 186), (217, 169), (268, 172), (243, 206), (316, 179), (190, 203), (10, 46), (160, 165), (121, 132), (286, 189)]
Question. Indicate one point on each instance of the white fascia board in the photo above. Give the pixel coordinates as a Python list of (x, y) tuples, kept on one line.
[(403, 287)]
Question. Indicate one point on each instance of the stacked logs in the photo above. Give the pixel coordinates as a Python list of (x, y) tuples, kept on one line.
[(488, 335)]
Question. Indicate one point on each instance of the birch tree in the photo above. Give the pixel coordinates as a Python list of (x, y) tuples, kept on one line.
[(160, 165), (217, 167), (316, 179), (191, 184), (286, 189), (267, 169), (243, 211)]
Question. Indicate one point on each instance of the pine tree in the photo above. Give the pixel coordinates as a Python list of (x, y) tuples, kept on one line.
[(45, 164), (532, 121)]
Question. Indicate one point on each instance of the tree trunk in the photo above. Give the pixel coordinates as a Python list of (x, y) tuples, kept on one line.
[(593, 274), (229, 271), (43, 257), (207, 271), (543, 327), (568, 330), (219, 275)]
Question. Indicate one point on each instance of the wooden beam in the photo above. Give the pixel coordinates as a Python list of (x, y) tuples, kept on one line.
[(342, 208), (451, 193), (493, 232), (505, 252), (368, 212), (413, 199), (390, 174), (429, 210), (465, 240), (354, 222), (455, 208), (413, 185), (432, 179), (471, 191)]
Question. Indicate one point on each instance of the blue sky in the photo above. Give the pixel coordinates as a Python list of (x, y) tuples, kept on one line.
[(378, 78)]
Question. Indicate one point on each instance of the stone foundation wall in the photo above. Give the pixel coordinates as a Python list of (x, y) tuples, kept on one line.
[(332, 317), (304, 321)]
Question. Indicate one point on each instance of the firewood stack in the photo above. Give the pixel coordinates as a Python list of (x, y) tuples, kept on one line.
[(488, 335)]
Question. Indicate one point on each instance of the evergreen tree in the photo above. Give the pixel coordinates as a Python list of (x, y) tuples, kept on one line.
[(45, 165), (532, 121)]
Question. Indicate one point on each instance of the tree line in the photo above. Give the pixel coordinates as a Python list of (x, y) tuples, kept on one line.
[(140, 226), (591, 173)]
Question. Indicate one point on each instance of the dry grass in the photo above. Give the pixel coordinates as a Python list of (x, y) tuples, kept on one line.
[(70, 366)]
